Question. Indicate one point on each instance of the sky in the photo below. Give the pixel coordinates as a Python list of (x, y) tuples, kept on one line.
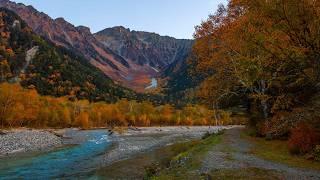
[(176, 18)]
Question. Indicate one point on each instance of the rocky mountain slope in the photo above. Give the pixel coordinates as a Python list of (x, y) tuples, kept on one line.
[(144, 48), (78, 39), (131, 58), (28, 58)]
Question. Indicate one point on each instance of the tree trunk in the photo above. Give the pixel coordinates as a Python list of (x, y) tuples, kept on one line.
[(264, 104), (214, 107)]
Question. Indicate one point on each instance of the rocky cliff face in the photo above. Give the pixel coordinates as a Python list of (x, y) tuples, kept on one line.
[(144, 48)]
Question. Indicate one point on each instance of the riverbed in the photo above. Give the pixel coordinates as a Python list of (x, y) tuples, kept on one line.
[(83, 152), (66, 161)]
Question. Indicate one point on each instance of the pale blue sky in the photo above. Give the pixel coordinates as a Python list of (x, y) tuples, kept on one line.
[(175, 18)]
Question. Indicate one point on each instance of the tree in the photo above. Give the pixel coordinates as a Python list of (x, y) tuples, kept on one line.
[(5, 71), (66, 116), (265, 50), (8, 100), (83, 120), (166, 113)]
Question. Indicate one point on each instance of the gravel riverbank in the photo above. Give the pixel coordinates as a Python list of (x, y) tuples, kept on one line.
[(125, 145), (23, 140), (85, 150), (140, 140)]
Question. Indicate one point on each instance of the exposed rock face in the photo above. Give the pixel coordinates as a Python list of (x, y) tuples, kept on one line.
[(144, 48)]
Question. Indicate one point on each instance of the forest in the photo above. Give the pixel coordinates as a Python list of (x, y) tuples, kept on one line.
[(26, 108), (265, 56)]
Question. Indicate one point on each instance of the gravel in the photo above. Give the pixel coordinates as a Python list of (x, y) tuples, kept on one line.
[(141, 140), (133, 142), (234, 154), (20, 141)]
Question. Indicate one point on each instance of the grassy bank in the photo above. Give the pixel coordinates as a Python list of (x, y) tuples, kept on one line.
[(146, 164), (277, 151), (187, 162), (176, 161), (244, 174)]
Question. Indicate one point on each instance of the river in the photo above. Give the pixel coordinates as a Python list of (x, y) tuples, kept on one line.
[(73, 161)]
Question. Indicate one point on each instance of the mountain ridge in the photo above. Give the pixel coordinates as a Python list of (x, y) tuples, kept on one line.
[(130, 58), (33, 61), (143, 47), (78, 39)]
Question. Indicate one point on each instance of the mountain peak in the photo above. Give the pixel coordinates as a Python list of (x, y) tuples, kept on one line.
[(116, 30), (84, 29), (121, 28), (143, 48), (60, 19)]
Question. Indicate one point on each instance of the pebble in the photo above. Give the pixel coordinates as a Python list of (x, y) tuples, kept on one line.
[(27, 141)]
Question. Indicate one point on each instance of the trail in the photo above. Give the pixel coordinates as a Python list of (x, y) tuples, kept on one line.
[(234, 154)]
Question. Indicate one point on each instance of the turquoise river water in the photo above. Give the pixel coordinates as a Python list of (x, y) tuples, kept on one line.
[(71, 162)]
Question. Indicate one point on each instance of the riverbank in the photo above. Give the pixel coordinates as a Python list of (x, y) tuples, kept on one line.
[(26, 140), (226, 155), (140, 140), (146, 165), (230, 157), (126, 144)]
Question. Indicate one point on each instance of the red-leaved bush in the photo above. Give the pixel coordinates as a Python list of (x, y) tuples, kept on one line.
[(303, 139)]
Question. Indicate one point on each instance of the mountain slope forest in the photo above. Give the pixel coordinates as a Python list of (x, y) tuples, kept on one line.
[(265, 57)]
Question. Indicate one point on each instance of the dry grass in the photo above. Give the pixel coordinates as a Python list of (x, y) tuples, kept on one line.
[(277, 151), (244, 174)]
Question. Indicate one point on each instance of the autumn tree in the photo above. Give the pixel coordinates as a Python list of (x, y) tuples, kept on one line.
[(265, 50), (83, 120), (5, 71), (8, 100)]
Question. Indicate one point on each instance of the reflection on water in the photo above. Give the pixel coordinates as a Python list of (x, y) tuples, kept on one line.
[(73, 161)]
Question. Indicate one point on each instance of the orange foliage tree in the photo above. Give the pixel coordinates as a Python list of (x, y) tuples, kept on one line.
[(24, 107), (267, 50)]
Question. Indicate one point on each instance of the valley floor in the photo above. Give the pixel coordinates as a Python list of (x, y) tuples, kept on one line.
[(227, 156), (149, 153), (34, 153), (139, 140)]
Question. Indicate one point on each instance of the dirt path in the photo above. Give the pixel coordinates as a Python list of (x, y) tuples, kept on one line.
[(232, 156)]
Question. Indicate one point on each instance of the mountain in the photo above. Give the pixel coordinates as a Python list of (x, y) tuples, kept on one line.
[(130, 58), (181, 81), (144, 48), (33, 61), (77, 39)]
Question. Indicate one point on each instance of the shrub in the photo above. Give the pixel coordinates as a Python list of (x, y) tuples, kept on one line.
[(303, 139)]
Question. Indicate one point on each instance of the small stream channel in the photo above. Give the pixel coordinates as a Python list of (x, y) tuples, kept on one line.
[(72, 161)]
